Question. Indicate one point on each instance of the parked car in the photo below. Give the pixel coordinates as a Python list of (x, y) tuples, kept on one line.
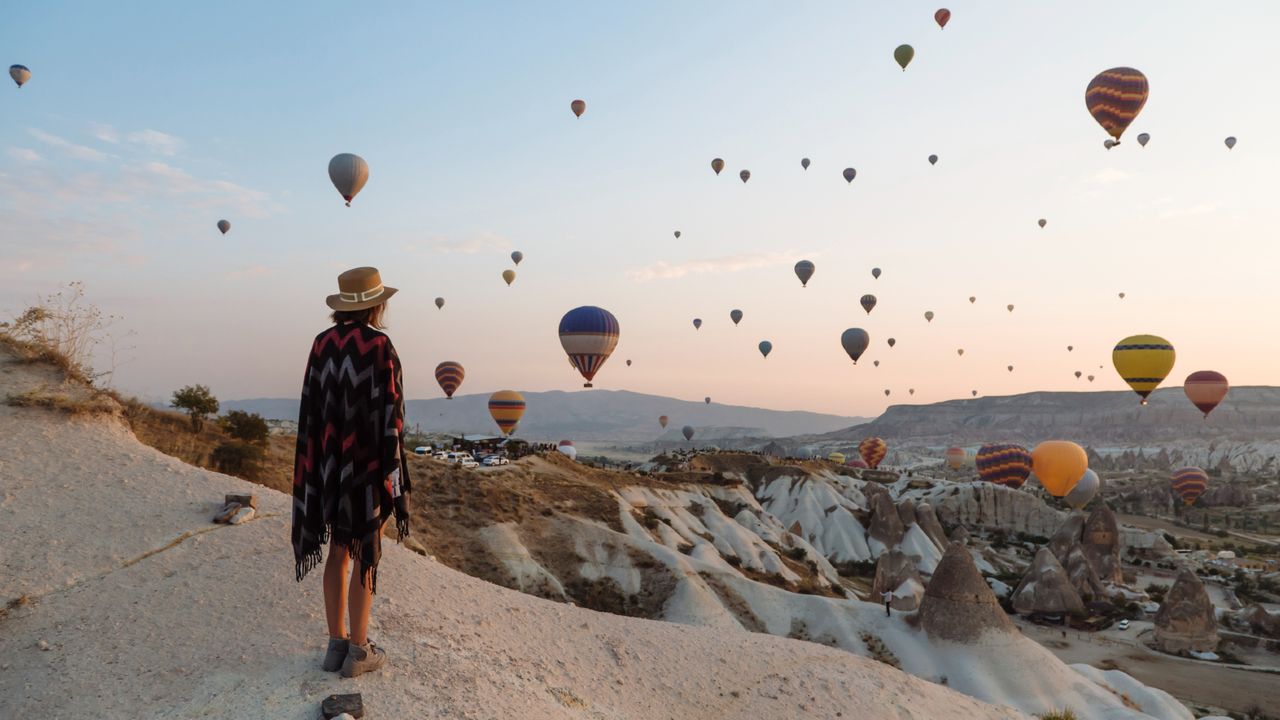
[(441, 455), (468, 462), (495, 460), (1123, 625)]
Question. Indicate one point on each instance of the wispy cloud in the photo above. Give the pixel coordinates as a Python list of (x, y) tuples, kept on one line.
[(156, 142), (164, 179), (103, 132), (80, 152), (23, 154), (663, 270), (1110, 176), (474, 245)]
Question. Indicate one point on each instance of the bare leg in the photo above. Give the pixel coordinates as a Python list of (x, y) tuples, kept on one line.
[(360, 605), (335, 590)]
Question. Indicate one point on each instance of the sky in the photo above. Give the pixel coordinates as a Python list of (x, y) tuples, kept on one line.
[(145, 123)]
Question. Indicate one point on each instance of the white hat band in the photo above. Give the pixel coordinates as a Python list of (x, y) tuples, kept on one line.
[(361, 296)]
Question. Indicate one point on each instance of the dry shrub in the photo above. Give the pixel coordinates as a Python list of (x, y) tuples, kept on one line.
[(69, 399)]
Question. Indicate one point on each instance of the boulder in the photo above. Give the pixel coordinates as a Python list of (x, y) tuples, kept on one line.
[(1046, 589), (1081, 574), (1186, 621), (1066, 536), (907, 512), (928, 521), (896, 572), (960, 536), (1266, 624), (1101, 543), (886, 526), (958, 605)]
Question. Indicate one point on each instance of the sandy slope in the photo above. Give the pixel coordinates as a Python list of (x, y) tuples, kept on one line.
[(150, 611)]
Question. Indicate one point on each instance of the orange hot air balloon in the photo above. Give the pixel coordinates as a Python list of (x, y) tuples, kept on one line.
[(1205, 389), (1115, 97), (1059, 464), (578, 107), (942, 17), (954, 457), (872, 451), (662, 420), (506, 407)]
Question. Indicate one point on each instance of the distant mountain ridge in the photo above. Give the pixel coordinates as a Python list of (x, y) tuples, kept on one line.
[(599, 415)]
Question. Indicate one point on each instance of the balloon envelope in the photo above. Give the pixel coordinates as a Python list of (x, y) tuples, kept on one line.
[(687, 431), (942, 17), (745, 175), (517, 256), (224, 226), (1115, 97), (804, 163), (903, 54), (707, 400), (735, 316), (509, 276), (836, 457), (1205, 389), (1230, 142), (933, 159), (891, 342), (578, 107), (766, 347), (1085, 490), (1189, 483), (872, 451), (449, 375), (506, 407), (1004, 464), (875, 273), (928, 315), (850, 174), (20, 74), (855, 342), (568, 450), (588, 335), (663, 420), (1144, 138), (717, 165), (1143, 362), (868, 302), (1059, 464), (697, 323), (1042, 222), (804, 271), (348, 173), (439, 303), (954, 457)]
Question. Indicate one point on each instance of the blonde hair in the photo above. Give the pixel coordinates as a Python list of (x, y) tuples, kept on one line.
[(374, 317)]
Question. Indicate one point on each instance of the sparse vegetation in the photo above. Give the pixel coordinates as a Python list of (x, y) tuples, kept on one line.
[(1065, 714), (197, 402), (237, 458), (64, 330), (246, 427)]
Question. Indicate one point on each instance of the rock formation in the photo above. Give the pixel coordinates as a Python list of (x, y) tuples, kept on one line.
[(886, 526), (928, 522), (896, 572), (1046, 589), (1101, 543), (983, 505), (1082, 576), (907, 512), (1186, 621), (960, 536), (958, 605), (1067, 535), (1260, 621)]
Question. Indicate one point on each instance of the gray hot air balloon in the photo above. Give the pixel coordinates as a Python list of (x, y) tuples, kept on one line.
[(804, 271), (928, 315), (850, 174), (766, 347), (1230, 142), (677, 234), (804, 163), (348, 173), (855, 342), (735, 316), (891, 342), (1144, 138), (1086, 488), (933, 159), (439, 303), (745, 175), (717, 165), (868, 302), (224, 226), (687, 431), (697, 323), (875, 273), (516, 257), (20, 74), (1109, 143), (1042, 222), (707, 399)]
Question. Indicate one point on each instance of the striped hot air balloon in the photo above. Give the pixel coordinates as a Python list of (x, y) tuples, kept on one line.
[(1189, 483), (449, 374), (942, 17), (1115, 97), (588, 335), (1004, 464), (954, 457), (836, 457), (506, 407), (872, 450), (1143, 362), (856, 463), (1205, 389)]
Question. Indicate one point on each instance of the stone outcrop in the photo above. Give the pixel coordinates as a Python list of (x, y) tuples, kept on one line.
[(1266, 624), (928, 521), (907, 512), (886, 525), (960, 536), (1067, 535), (1230, 494), (1101, 543), (896, 572), (1146, 544), (1082, 576), (984, 505), (1046, 589), (958, 605), (1186, 621)]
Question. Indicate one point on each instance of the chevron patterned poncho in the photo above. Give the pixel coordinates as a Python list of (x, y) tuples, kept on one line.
[(349, 474)]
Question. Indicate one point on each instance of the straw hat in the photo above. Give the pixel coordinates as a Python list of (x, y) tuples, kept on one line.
[(358, 289)]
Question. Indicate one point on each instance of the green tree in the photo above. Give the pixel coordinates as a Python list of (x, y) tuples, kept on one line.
[(249, 427), (237, 458), (197, 402)]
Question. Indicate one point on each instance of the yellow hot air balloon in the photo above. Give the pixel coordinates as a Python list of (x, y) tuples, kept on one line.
[(509, 276), (506, 407), (1059, 464), (1143, 362)]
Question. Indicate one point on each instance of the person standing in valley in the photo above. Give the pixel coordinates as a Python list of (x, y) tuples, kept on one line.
[(350, 474), (887, 597)]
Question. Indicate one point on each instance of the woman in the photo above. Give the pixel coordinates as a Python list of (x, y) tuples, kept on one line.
[(349, 474)]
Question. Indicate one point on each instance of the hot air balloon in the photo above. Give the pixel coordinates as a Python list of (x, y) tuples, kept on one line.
[(1121, 296), (875, 273), (224, 226), (1070, 348), (836, 457), (1144, 138), (677, 234), (697, 323), (855, 342), (663, 420), (876, 363), (717, 165), (1189, 483), (687, 431), (348, 173), (872, 451), (891, 342), (856, 463), (911, 391), (449, 374), (804, 163), (942, 17), (886, 392), (1010, 307), (588, 335), (506, 407), (1230, 142), (628, 362), (972, 299), (439, 303), (509, 276), (578, 107), (1090, 378), (567, 449), (973, 393), (804, 271), (735, 316), (745, 175), (933, 159), (1115, 97), (960, 352), (765, 347), (850, 174), (1078, 374), (928, 315), (1059, 464), (1143, 361), (1109, 143), (707, 400), (954, 457), (1205, 389), (20, 74), (903, 54), (1042, 222), (1084, 491), (1004, 464), (517, 256), (868, 302)]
